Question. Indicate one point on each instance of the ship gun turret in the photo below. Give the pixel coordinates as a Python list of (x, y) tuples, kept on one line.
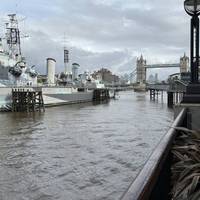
[(16, 70)]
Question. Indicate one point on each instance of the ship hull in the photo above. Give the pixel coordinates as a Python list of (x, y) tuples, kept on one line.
[(52, 96)]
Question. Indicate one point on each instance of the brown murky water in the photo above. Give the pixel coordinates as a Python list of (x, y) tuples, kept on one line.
[(79, 152)]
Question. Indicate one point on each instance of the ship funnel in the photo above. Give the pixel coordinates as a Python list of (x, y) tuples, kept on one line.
[(51, 66), (75, 67)]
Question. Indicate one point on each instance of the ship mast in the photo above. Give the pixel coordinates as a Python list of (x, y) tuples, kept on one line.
[(13, 37), (66, 57), (66, 60)]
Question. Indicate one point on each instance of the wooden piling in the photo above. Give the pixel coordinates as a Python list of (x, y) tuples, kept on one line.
[(24, 100), (170, 99), (101, 94), (152, 94)]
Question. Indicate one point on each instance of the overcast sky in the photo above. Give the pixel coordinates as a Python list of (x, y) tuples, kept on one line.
[(102, 33)]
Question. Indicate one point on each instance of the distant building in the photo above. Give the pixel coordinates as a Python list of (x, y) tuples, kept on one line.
[(125, 79), (156, 77), (153, 78), (105, 76)]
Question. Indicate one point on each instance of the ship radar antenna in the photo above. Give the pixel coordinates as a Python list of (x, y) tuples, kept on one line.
[(66, 55), (13, 36)]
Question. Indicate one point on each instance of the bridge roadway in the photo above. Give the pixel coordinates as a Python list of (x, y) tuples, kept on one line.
[(163, 65), (175, 65)]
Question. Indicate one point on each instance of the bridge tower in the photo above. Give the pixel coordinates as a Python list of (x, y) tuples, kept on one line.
[(184, 64), (141, 70)]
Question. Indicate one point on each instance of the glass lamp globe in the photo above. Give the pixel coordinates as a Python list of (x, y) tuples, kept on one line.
[(192, 7)]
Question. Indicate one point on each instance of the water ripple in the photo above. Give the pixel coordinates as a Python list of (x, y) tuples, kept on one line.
[(79, 152)]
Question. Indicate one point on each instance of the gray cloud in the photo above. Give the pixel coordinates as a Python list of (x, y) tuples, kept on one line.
[(106, 33)]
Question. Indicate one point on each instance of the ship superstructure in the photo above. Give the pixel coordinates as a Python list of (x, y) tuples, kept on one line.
[(13, 68), (58, 89)]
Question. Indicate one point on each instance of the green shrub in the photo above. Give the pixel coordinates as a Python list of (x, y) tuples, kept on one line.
[(185, 179)]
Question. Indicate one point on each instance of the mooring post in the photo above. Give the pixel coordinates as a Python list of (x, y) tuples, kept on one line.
[(170, 99), (152, 94)]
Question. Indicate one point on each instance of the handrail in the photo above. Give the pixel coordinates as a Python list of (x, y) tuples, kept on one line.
[(141, 188), (181, 82), (164, 87)]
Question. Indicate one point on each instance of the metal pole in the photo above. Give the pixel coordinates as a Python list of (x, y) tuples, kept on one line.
[(197, 50), (192, 50)]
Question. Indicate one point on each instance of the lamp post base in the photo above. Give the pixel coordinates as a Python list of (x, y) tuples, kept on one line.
[(192, 93)]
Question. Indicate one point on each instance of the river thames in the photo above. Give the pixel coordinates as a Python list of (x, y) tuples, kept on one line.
[(79, 152)]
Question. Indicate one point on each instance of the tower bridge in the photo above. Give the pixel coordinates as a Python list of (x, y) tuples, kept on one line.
[(141, 68)]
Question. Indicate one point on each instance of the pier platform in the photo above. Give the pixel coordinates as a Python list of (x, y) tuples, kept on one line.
[(27, 100), (101, 94)]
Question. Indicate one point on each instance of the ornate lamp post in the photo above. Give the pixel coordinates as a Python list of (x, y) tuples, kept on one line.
[(192, 7)]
